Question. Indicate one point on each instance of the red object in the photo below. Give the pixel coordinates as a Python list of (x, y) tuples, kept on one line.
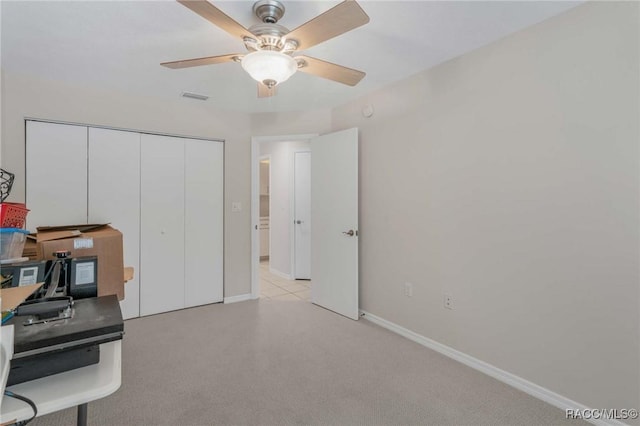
[(13, 215)]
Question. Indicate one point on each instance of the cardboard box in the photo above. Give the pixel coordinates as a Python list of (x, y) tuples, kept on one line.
[(99, 240), (13, 296), (30, 248)]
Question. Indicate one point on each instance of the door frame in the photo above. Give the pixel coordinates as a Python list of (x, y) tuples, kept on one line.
[(260, 158), (255, 201)]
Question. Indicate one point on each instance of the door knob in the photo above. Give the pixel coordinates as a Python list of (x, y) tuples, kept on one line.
[(350, 232), (298, 222)]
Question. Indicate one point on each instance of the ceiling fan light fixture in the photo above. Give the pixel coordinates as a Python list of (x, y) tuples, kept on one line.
[(269, 67)]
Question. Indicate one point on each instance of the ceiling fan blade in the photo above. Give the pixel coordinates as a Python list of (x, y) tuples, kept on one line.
[(208, 60), (329, 70), (216, 17), (344, 17), (266, 92)]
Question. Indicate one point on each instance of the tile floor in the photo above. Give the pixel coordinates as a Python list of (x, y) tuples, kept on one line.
[(277, 288)]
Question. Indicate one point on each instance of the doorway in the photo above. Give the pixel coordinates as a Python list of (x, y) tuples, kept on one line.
[(334, 230), (273, 285), (274, 207)]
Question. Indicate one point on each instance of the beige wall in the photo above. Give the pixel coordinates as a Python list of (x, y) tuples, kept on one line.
[(23, 96), (291, 123), (509, 179)]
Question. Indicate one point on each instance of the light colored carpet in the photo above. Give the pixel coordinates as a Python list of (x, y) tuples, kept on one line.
[(292, 363)]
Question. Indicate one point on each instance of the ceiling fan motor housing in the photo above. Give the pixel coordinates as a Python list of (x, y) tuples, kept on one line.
[(269, 32), (270, 37)]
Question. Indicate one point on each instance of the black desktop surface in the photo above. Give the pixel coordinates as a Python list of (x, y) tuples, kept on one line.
[(95, 320)]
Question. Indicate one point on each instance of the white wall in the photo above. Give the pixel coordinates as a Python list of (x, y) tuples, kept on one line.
[(24, 96), (509, 178), (281, 193)]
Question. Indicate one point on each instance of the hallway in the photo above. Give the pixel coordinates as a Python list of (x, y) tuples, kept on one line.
[(275, 287)]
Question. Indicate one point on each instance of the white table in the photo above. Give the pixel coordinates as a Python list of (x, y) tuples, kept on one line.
[(69, 389), (6, 353)]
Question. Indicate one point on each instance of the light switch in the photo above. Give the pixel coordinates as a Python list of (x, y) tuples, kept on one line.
[(236, 206)]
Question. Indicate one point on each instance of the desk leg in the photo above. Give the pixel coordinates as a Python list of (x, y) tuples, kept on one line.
[(82, 415)]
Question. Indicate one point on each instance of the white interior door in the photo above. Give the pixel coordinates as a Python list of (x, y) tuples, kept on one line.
[(334, 230), (114, 197), (302, 215), (56, 174), (162, 219), (203, 232)]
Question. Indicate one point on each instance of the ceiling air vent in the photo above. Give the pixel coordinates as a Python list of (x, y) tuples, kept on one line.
[(195, 96)]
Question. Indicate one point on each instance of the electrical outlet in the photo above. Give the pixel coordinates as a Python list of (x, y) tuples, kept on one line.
[(236, 206), (408, 289), (448, 301)]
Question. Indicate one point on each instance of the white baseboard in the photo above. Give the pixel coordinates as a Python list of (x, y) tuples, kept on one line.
[(238, 298), (280, 274), (517, 382)]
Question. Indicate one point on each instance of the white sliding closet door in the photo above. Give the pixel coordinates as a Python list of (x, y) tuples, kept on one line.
[(56, 174), (165, 194), (162, 284), (204, 198), (114, 197)]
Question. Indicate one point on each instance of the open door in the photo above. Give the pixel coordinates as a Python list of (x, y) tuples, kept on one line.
[(334, 228)]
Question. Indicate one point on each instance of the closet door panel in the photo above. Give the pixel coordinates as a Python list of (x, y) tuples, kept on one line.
[(114, 197), (204, 199), (161, 224), (56, 174)]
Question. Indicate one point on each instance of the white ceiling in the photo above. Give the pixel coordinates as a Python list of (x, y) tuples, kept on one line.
[(118, 45)]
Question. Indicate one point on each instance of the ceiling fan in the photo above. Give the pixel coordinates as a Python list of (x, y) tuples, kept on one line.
[(272, 56)]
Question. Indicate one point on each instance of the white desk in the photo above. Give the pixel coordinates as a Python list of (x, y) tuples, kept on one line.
[(69, 389), (6, 353)]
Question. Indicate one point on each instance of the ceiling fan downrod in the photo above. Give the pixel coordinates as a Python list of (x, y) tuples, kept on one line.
[(268, 11)]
